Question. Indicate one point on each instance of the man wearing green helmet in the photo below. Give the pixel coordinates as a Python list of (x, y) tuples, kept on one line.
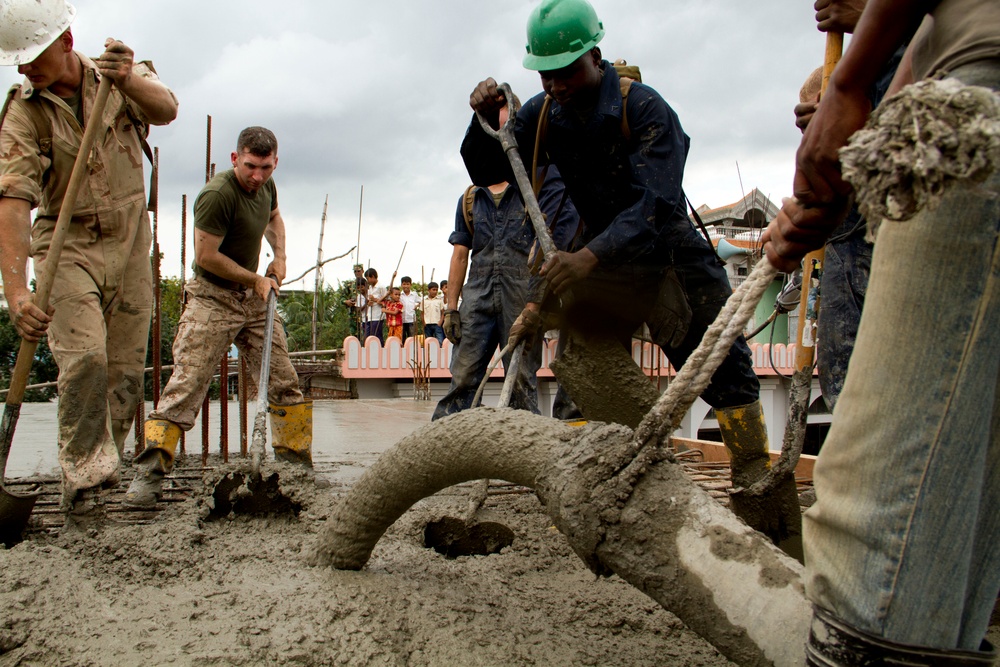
[(624, 176)]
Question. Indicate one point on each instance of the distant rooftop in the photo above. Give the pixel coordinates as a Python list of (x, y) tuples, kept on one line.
[(753, 211)]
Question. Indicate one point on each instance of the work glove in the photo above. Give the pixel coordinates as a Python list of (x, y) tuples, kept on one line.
[(453, 326), (525, 327)]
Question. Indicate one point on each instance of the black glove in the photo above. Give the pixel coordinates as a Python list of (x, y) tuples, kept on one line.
[(453, 326)]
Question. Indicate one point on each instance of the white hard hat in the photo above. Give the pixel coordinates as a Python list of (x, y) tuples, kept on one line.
[(28, 27)]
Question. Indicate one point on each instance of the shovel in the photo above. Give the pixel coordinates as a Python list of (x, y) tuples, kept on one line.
[(470, 534), (15, 509), (599, 375), (257, 441), (252, 493), (505, 135)]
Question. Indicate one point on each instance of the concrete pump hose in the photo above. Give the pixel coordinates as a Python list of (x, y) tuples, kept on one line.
[(658, 530)]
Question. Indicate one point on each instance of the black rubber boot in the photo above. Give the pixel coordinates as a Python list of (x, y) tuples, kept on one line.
[(834, 643)]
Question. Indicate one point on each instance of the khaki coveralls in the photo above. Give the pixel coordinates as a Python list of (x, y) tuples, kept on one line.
[(103, 288)]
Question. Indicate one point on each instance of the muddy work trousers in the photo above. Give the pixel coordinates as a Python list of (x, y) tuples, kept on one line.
[(678, 303), (102, 297), (213, 319)]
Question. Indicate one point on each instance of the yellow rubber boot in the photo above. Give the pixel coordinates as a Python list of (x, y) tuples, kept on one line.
[(155, 461), (776, 513), (291, 432)]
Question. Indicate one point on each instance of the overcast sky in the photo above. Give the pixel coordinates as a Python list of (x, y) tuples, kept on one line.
[(375, 94)]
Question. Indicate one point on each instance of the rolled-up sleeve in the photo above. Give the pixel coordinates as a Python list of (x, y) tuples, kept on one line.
[(460, 236), (22, 163), (145, 70)]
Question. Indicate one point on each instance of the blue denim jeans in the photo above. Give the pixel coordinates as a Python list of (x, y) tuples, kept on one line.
[(904, 540), (434, 331), (843, 285), (373, 328)]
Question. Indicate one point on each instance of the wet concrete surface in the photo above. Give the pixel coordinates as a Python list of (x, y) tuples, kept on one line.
[(348, 435)]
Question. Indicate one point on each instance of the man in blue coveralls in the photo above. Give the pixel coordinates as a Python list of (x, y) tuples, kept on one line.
[(499, 235), (621, 153)]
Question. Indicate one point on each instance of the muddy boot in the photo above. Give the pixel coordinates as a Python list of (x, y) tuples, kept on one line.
[(777, 513), (291, 432), (834, 643), (155, 461), (85, 513)]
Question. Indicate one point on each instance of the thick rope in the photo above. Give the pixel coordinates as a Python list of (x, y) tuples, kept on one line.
[(696, 374)]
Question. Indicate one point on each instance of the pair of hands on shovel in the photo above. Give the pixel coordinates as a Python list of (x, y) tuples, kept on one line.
[(562, 269), (29, 320), (822, 198), (157, 103)]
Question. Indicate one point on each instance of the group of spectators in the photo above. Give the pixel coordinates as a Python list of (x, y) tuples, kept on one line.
[(384, 312)]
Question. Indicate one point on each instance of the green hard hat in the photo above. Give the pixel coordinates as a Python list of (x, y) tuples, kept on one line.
[(559, 32)]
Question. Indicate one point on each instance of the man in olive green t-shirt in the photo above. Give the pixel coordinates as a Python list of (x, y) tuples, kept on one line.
[(226, 302)]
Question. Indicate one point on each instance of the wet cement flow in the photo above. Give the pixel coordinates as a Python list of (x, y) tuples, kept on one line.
[(189, 590)]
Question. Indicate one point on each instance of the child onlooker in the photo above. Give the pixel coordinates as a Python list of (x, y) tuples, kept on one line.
[(394, 313), (434, 313), (373, 306), (410, 300), (356, 307)]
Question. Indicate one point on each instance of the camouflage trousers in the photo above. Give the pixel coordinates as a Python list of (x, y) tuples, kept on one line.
[(213, 319), (102, 296)]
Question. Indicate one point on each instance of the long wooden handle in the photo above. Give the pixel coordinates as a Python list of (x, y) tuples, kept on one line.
[(805, 341), (43, 285)]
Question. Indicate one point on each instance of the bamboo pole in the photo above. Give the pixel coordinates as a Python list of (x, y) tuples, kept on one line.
[(319, 273)]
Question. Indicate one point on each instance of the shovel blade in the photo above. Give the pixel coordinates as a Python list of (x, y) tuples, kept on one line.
[(251, 494), (15, 509)]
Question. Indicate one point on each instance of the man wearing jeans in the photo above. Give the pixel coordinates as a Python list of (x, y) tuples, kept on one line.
[(903, 544)]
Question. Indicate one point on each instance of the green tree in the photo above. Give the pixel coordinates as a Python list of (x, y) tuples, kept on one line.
[(333, 317), (170, 315), (42, 370)]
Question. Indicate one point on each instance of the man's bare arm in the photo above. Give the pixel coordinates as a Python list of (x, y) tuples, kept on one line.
[(156, 101), (456, 275), (208, 257), (275, 235), (15, 232)]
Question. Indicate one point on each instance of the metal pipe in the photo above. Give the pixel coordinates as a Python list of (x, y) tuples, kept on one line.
[(319, 273), (242, 389), (157, 296), (224, 407), (183, 269)]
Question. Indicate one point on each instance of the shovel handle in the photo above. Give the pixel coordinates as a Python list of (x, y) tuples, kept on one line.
[(43, 289), (805, 354), (265, 353), (257, 449), (505, 135)]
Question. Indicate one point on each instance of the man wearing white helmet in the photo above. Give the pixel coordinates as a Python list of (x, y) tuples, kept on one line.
[(98, 321)]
